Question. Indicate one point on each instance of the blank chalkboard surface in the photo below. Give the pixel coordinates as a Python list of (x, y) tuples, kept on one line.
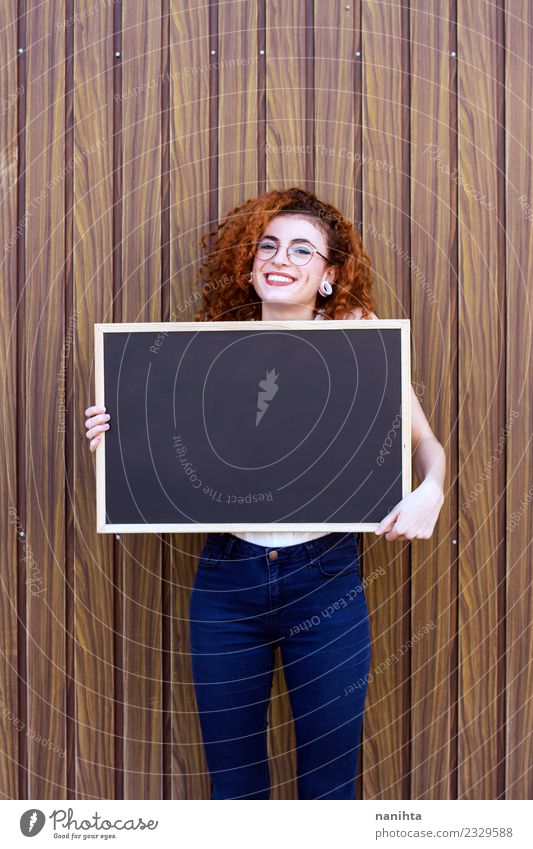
[(229, 426)]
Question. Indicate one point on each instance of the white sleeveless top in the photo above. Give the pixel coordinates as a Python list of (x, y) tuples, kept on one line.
[(280, 538)]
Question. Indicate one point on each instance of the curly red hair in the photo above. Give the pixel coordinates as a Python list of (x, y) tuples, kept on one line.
[(227, 293)]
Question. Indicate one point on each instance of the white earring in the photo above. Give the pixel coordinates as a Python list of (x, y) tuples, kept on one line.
[(325, 288), (250, 276)]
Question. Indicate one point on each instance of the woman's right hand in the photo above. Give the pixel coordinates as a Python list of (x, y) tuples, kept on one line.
[(96, 424)]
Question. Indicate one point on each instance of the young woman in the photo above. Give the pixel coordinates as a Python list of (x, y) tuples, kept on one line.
[(287, 255)]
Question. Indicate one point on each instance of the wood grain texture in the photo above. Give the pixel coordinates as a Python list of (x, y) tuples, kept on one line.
[(288, 141), (481, 362), (518, 591), (239, 114), (45, 613), (434, 314), (92, 259), (337, 105), (112, 168), (12, 545)]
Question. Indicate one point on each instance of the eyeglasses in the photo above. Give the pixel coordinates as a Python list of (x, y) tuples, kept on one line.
[(299, 253)]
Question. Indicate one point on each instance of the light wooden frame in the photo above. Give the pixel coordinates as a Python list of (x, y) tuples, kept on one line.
[(205, 326)]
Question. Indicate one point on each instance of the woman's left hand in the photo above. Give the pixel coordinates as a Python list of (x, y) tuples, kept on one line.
[(415, 516)]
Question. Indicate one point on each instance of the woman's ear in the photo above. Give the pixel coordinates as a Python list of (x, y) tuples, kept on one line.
[(331, 273)]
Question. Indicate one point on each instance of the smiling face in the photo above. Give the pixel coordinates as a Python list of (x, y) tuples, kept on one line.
[(278, 280)]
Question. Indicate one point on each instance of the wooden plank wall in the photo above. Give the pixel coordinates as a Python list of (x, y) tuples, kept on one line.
[(121, 143)]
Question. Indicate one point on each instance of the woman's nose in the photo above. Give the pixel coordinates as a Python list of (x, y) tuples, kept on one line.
[(282, 258)]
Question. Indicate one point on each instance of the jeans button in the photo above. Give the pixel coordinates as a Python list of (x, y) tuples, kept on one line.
[(272, 555)]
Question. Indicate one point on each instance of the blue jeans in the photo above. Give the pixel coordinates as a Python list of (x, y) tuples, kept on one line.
[(309, 600)]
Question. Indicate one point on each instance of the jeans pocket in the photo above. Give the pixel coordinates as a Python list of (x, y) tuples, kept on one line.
[(342, 559), (210, 556)]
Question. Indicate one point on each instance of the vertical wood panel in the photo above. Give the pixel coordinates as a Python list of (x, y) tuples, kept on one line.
[(288, 86), (45, 442), (140, 554), (337, 107), (434, 312), (190, 217), (483, 405), (385, 46), (11, 545), (238, 136), (519, 468), (96, 755)]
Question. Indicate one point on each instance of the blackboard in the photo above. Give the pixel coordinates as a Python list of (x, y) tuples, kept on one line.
[(229, 426)]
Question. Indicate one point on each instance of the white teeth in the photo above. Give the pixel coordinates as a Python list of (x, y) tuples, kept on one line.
[(279, 277)]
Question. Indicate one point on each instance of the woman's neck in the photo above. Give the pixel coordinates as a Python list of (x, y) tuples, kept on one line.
[(287, 312)]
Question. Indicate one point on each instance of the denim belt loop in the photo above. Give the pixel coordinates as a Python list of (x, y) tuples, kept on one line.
[(228, 543), (312, 549)]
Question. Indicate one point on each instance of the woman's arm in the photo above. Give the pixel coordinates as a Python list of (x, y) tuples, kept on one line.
[(415, 516), (429, 459)]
